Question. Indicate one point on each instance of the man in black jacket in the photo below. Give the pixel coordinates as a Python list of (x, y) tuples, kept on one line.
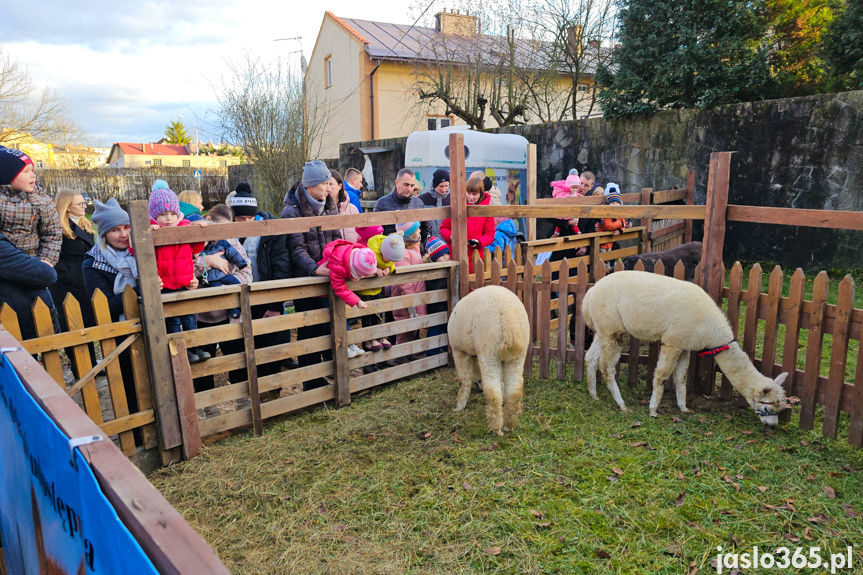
[(310, 199), (402, 198), (270, 261)]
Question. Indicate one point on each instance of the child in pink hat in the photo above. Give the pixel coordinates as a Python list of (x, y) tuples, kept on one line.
[(345, 261)]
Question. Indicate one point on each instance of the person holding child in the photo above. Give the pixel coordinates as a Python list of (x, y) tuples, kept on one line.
[(175, 263)]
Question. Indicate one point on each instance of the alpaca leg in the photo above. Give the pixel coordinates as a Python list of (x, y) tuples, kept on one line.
[(608, 359), (492, 375), (477, 373), (513, 383), (591, 364), (464, 368), (665, 366), (680, 381)]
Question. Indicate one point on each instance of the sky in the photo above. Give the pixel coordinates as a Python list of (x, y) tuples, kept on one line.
[(128, 68)]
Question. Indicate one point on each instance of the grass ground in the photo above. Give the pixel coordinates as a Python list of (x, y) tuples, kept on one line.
[(398, 483)]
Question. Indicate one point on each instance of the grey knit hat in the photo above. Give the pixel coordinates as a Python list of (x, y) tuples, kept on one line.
[(108, 216), (393, 248), (314, 173)]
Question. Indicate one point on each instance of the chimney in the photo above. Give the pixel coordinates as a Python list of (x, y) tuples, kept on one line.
[(458, 24), (574, 35)]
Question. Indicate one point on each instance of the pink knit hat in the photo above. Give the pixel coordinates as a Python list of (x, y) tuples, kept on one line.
[(572, 179), (368, 232), (163, 199), (363, 263)]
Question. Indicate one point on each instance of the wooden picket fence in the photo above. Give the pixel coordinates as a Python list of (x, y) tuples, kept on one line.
[(112, 339)]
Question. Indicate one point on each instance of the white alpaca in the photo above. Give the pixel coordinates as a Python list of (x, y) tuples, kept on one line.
[(683, 318), (489, 333)]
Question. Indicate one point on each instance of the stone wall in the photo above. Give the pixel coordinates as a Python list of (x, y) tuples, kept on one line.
[(798, 152)]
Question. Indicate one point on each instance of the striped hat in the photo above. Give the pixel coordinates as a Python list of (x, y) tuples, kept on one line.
[(435, 248), (363, 262), (407, 229), (612, 193)]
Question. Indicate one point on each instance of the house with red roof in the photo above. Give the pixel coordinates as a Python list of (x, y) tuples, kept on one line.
[(128, 155)]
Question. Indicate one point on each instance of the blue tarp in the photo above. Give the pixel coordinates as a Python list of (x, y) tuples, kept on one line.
[(54, 518)]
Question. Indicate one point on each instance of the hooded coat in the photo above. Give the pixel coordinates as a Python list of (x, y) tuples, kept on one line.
[(307, 248), (504, 235), (337, 255), (176, 263)]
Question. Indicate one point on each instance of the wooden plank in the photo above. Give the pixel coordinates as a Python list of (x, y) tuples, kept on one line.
[(586, 200), (339, 329), (714, 241), (140, 368), (127, 423), (675, 229), (832, 219), (393, 373), (735, 284), (544, 317), (792, 336), (9, 320), (666, 196), (165, 399), (771, 324), (494, 279), (854, 396), (399, 351), (750, 326), (479, 268), (185, 400), (387, 329), (838, 357), (266, 383), (192, 234), (251, 361), (690, 201), (529, 307), (531, 188), (452, 285), (90, 334), (595, 260), (458, 205), (105, 361), (262, 355), (44, 327), (814, 341), (398, 277), (511, 276), (379, 306), (562, 319), (580, 291), (647, 222), (82, 359), (602, 211)]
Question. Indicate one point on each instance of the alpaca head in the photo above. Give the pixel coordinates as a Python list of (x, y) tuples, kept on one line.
[(769, 399)]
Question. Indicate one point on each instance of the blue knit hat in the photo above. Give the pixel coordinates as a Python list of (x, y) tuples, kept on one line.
[(108, 216), (163, 199), (407, 229), (314, 173)]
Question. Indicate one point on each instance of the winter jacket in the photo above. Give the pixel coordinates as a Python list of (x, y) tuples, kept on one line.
[(354, 197), (375, 245), (412, 258), (306, 249), (432, 199), (70, 277), (609, 225), (504, 235), (175, 264), (337, 255), (347, 208), (29, 220), (392, 202), (559, 189), (24, 278), (230, 254), (272, 260), (588, 225), (244, 275), (481, 229)]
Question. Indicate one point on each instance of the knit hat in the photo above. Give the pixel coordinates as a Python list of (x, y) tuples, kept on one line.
[(439, 177), (108, 216), (407, 229), (314, 173), (572, 179), (366, 233), (393, 248), (363, 263), (163, 199), (12, 163), (435, 248), (244, 203), (612, 193)]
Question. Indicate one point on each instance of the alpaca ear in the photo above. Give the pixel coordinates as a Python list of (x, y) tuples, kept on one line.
[(780, 379)]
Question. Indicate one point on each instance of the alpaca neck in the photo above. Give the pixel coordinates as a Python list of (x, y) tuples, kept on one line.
[(736, 366)]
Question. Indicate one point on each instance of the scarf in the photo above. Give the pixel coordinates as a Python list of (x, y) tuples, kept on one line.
[(108, 259), (75, 220), (439, 198), (316, 206)]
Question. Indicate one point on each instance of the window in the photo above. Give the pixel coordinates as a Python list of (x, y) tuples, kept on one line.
[(328, 65), (438, 123), (223, 163), (582, 88), (187, 163), (157, 163)]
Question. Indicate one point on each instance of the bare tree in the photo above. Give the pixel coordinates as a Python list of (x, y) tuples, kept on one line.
[(262, 110), (27, 111)]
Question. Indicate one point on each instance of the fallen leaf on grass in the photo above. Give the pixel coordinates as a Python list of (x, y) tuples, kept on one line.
[(425, 435), (829, 492), (810, 478), (792, 538), (467, 486), (492, 551), (736, 486), (694, 571), (322, 508), (603, 554), (617, 470), (746, 432), (536, 513), (675, 419), (679, 501), (820, 518), (612, 477), (617, 436), (762, 488), (484, 513), (804, 443), (708, 434), (736, 541), (492, 447), (340, 528), (547, 524), (849, 510), (638, 444), (673, 550), (807, 534), (499, 484), (636, 423), (702, 419), (835, 474), (680, 476)]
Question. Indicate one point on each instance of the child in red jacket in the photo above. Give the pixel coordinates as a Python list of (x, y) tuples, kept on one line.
[(175, 263), (346, 261)]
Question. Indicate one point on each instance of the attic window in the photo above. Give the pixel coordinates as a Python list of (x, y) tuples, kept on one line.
[(328, 70), (437, 123)]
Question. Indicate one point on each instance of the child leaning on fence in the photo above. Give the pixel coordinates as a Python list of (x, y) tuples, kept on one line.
[(388, 250)]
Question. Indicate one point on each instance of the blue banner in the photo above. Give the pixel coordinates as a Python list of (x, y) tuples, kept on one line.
[(53, 515)]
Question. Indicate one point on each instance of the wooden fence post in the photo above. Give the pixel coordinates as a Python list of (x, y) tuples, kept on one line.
[(646, 200), (339, 328), (711, 255), (458, 206), (165, 399), (690, 201), (251, 364), (453, 283), (531, 189)]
